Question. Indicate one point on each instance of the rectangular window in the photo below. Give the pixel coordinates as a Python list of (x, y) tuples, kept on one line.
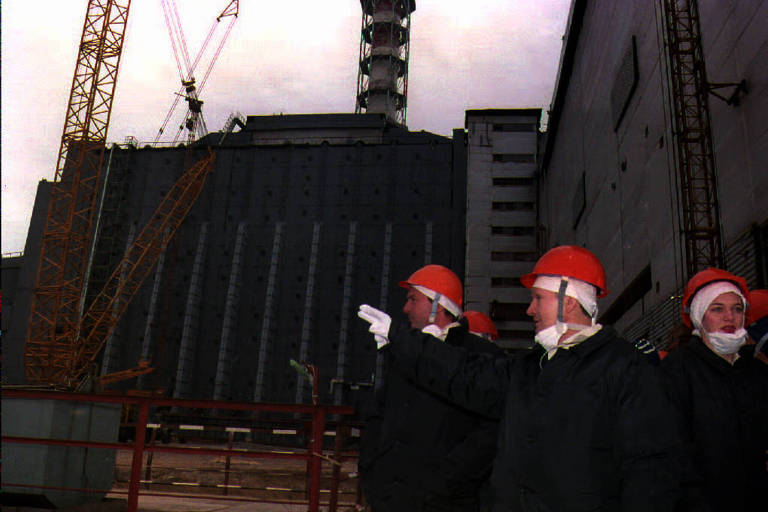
[(513, 230), (514, 256), (508, 311), (513, 206), (514, 127), (624, 83), (579, 199), (506, 282), (518, 158), (512, 182), (636, 290)]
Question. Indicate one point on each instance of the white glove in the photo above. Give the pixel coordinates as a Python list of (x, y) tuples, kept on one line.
[(380, 322)]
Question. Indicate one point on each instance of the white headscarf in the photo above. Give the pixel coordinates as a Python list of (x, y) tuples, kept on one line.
[(722, 343), (580, 290), (585, 294), (444, 301), (706, 295)]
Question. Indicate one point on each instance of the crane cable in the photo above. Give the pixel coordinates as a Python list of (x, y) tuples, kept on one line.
[(178, 43)]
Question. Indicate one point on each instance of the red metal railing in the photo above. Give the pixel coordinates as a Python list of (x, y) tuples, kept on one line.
[(313, 455)]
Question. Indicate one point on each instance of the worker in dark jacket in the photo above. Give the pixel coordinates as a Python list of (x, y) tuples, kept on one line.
[(420, 452), (584, 419), (757, 322), (721, 396)]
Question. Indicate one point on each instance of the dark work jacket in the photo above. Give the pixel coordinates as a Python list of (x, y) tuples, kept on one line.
[(723, 411), (587, 430), (421, 452)]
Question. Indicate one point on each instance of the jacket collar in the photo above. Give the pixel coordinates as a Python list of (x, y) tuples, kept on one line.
[(703, 352), (601, 337), (583, 349)]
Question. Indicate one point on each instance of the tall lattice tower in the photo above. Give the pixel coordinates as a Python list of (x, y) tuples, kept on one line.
[(689, 90), (57, 303), (382, 79)]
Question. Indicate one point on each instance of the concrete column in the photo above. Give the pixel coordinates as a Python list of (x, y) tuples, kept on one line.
[(341, 361), (269, 302), (223, 366), (308, 296), (110, 349), (185, 369)]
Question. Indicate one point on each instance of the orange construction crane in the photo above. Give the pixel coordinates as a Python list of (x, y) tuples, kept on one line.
[(191, 88), (142, 369), (109, 305), (57, 300), (64, 337)]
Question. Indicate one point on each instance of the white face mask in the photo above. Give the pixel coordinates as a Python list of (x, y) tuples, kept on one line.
[(550, 337), (725, 343)]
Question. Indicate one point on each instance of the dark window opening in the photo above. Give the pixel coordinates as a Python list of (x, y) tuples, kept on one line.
[(640, 285), (506, 282), (512, 182), (513, 230), (514, 127), (508, 311), (624, 83), (579, 199), (513, 205), (518, 158), (514, 256)]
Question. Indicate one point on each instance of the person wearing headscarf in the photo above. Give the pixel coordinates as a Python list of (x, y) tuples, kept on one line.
[(720, 394)]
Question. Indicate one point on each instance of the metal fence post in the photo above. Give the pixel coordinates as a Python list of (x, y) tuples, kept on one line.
[(148, 469), (230, 441), (341, 434), (318, 428), (138, 455)]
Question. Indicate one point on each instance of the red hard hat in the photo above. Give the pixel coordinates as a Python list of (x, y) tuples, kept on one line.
[(570, 261), (480, 323), (758, 306), (439, 279), (703, 278)]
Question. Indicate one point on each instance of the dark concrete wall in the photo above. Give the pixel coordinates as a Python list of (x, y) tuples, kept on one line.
[(17, 298), (414, 182)]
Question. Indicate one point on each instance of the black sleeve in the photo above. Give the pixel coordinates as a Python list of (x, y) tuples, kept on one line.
[(476, 381), (469, 461)]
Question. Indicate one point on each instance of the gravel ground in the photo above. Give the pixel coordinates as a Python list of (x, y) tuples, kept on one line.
[(283, 482)]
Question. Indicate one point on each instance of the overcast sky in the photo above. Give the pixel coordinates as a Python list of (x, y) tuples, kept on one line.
[(294, 57)]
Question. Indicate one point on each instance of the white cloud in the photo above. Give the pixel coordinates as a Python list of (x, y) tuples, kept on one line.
[(291, 57)]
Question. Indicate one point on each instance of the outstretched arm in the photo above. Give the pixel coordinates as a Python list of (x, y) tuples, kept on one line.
[(475, 381)]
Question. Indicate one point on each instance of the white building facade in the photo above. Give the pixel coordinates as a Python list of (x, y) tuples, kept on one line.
[(502, 156)]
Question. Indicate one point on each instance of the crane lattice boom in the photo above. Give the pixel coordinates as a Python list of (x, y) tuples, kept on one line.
[(57, 297)]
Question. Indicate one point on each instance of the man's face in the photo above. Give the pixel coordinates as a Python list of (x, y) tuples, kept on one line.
[(543, 308), (417, 308)]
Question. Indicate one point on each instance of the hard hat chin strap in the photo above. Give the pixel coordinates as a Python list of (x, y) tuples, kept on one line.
[(561, 325), (433, 311), (561, 298)]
